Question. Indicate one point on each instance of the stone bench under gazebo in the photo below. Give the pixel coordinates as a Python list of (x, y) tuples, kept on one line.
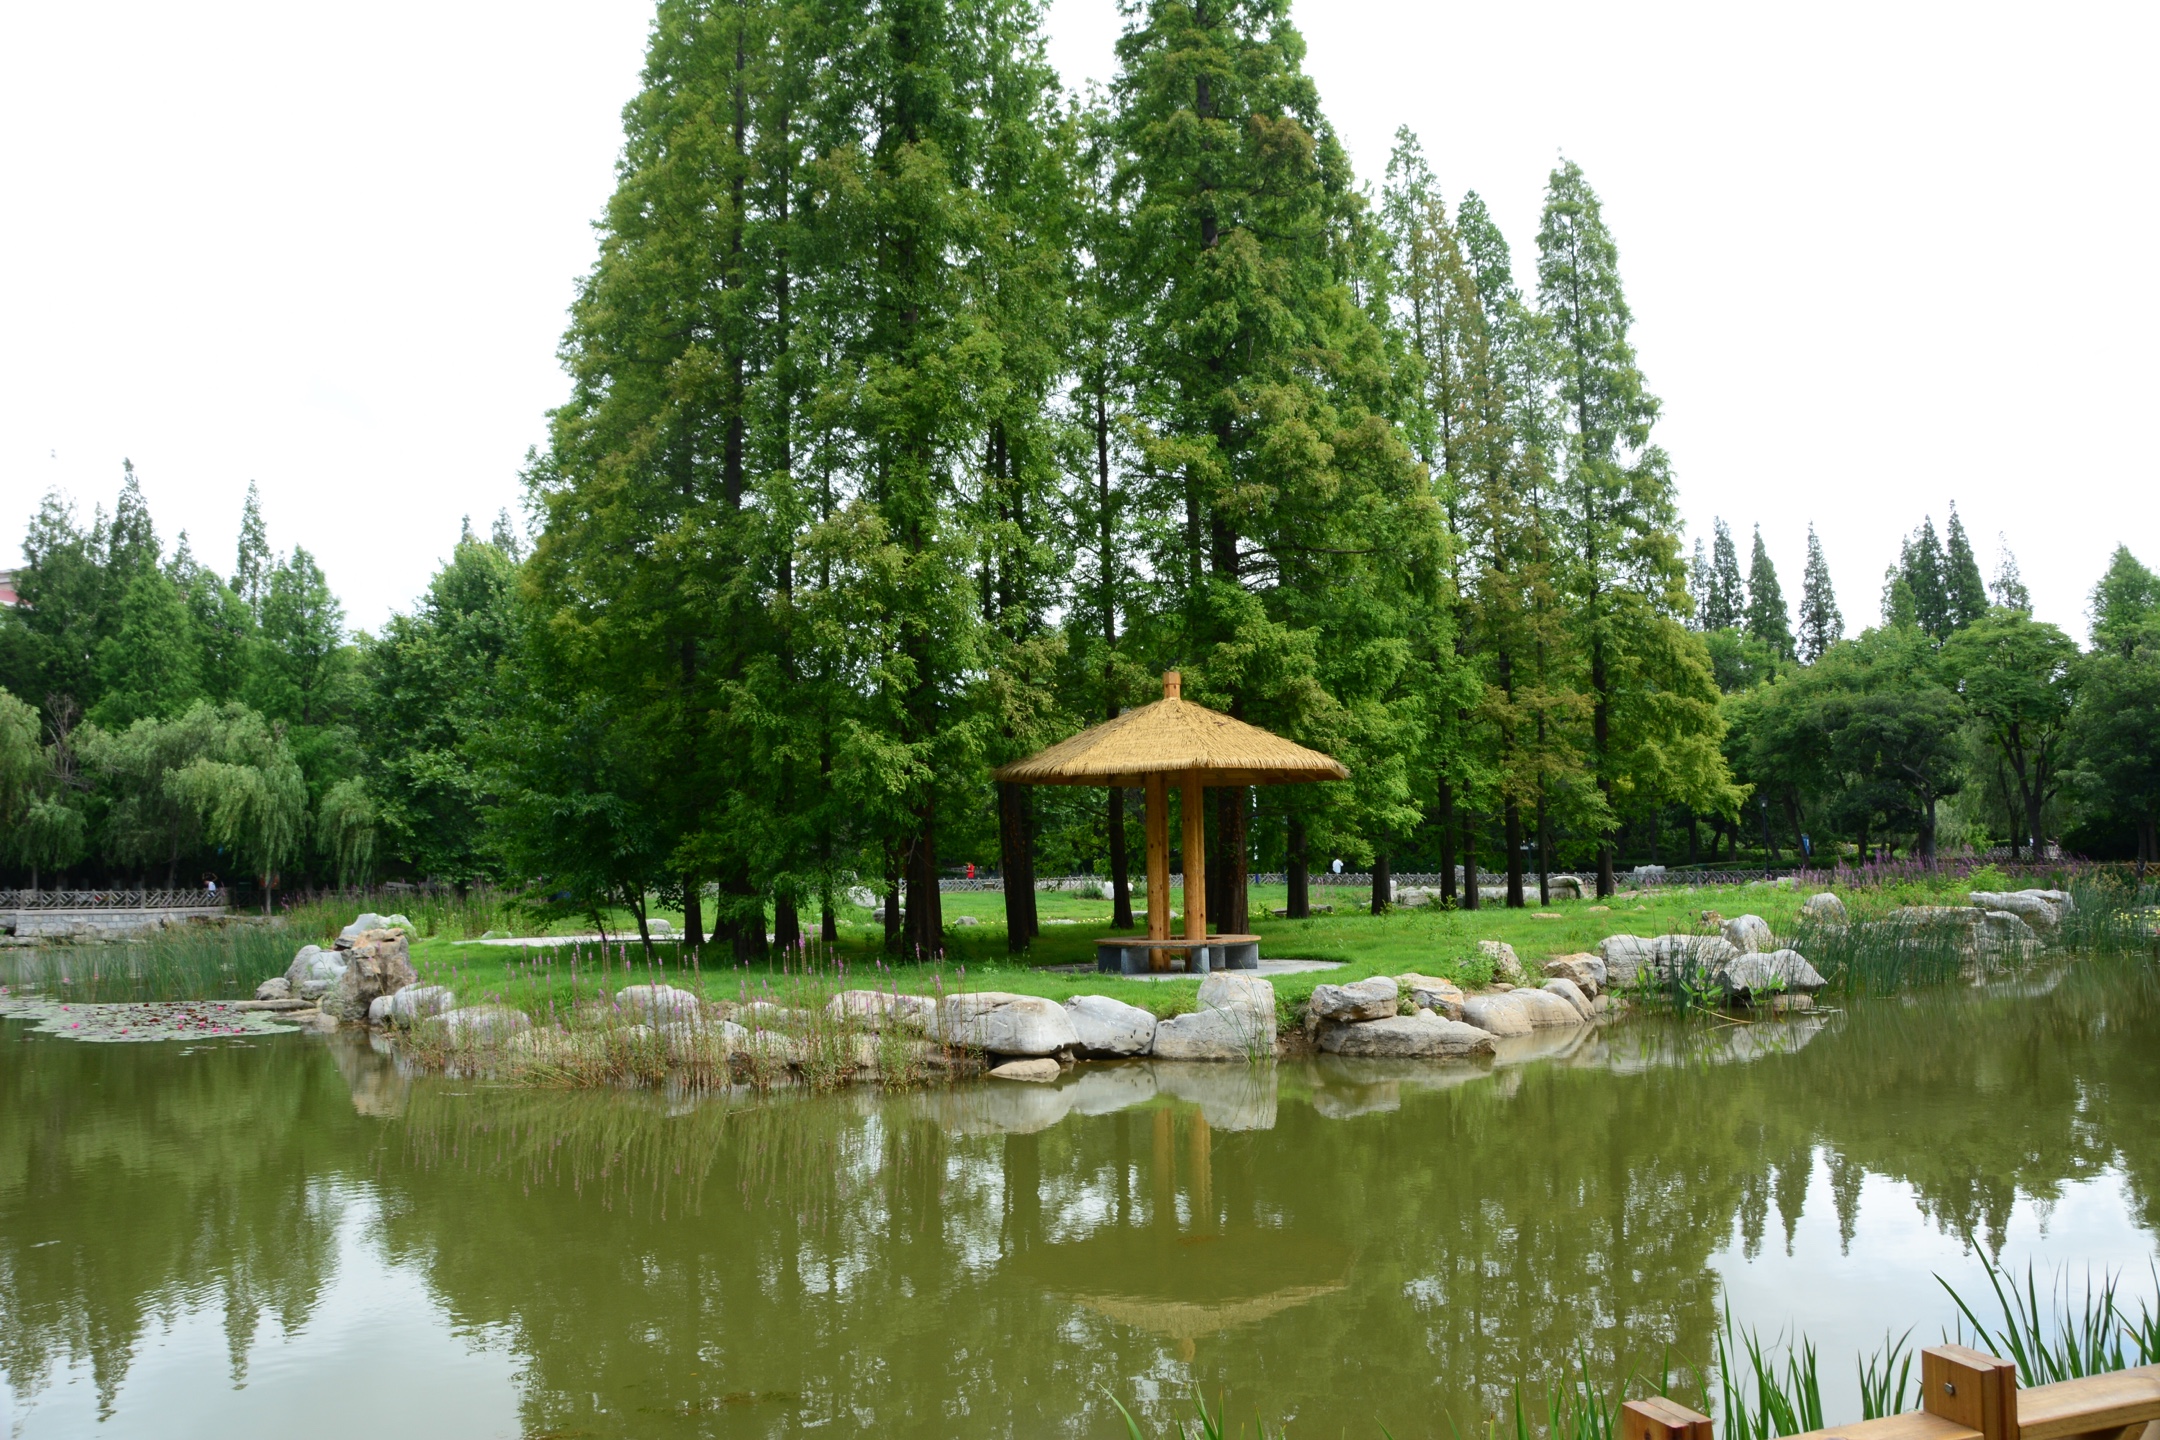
[(1146, 749)]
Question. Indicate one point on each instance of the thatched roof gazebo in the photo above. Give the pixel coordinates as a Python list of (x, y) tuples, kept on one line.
[(1147, 748)]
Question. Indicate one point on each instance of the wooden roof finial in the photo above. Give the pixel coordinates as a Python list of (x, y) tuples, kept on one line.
[(1171, 681)]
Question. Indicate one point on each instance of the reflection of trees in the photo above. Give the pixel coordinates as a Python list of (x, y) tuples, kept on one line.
[(1325, 1241), (139, 1180)]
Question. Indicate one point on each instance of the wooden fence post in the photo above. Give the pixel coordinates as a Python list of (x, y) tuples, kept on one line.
[(1658, 1418), (1970, 1389)]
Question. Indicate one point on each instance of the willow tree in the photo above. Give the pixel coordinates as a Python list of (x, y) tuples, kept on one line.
[(1286, 513)]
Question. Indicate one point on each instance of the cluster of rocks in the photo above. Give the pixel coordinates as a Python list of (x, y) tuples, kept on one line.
[(1413, 1016), (368, 965), (1561, 887), (1743, 963), (2017, 923)]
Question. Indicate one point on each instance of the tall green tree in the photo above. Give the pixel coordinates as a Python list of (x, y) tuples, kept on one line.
[(1288, 508), (1655, 726), (253, 560), (1767, 619), (1821, 623), (2125, 605), (434, 691), (1726, 596), (2018, 679), (1965, 597), (148, 666)]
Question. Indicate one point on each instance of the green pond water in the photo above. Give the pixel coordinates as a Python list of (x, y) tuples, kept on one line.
[(284, 1235)]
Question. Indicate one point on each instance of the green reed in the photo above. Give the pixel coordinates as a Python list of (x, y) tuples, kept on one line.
[(196, 961)]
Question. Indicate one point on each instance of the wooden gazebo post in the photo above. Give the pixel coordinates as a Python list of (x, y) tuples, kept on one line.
[(1143, 749)]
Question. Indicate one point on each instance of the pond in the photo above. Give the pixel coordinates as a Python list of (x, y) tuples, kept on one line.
[(274, 1235)]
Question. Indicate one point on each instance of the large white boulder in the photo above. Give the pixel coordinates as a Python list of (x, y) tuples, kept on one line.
[(881, 1009), (1569, 991), (1002, 1023), (378, 964), (476, 1024), (313, 971), (1235, 1021), (1110, 1027), (2031, 906), (1546, 1010), (1418, 1037), (1505, 965), (1500, 1014), (1373, 999), (369, 920), (1430, 992), (1822, 909), (1772, 972), (1749, 933), (419, 1002), (1585, 972), (660, 1006)]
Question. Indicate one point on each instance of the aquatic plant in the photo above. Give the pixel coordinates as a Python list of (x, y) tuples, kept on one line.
[(198, 961), (2064, 1340)]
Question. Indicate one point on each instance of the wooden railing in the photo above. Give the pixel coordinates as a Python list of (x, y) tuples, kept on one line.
[(1964, 1395), (192, 899)]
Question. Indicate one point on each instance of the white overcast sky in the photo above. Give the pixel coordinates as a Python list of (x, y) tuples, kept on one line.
[(1875, 252)]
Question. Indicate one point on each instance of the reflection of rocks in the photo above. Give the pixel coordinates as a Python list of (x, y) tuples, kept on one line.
[(1106, 1089), (1229, 1097), (379, 1088), (1554, 1043), (1636, 1049), (992, 1109)]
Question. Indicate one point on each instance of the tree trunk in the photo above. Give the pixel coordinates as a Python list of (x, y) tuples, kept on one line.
[(1383, 883), (925, 907), (1233, 915), (1016, 861), (786, 923), (828, 923), (1470, 896), (1295, 873), (1511, 827), (1121, 915), (693, 911), (893, 905), (1544, 848), (1447, 841)]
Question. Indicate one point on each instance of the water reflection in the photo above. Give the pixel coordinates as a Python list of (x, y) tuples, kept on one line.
[(1335, 1240)]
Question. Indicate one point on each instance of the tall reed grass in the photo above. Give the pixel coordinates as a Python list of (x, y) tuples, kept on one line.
[(189, 962)]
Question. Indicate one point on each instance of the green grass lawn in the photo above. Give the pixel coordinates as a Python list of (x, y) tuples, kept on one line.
[(1430, 941)]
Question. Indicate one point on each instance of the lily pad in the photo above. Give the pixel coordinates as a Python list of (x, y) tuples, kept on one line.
[(157, 1020)]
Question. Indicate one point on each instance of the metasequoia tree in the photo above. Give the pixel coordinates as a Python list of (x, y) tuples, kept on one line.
[(1654, 726), (1284, 506)]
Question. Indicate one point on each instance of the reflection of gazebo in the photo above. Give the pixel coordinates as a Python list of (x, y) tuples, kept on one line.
[(1145, 748)]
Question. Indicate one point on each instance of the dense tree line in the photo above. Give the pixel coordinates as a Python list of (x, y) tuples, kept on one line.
[(1957, 712), (920, 414)]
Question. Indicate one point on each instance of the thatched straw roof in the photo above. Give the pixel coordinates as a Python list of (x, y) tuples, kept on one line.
[(1170, 737)]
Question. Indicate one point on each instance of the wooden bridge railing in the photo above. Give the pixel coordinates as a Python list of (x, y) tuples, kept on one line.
[(1964, 1395)]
